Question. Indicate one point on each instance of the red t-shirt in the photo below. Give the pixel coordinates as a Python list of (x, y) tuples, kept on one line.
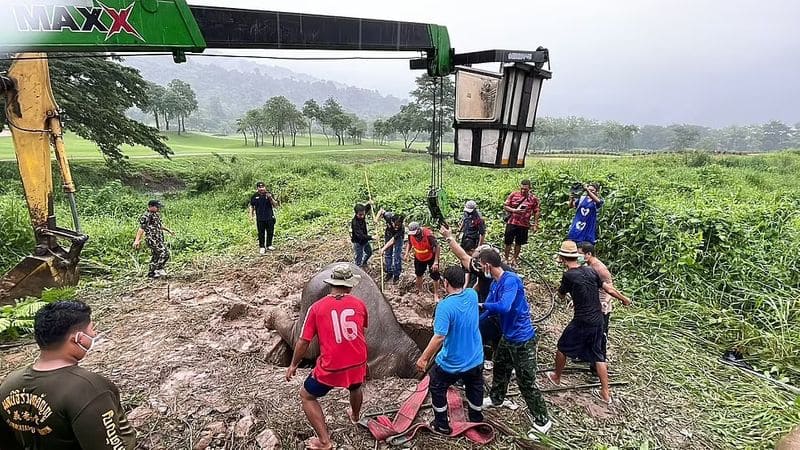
[(531, 203), (339, 325)]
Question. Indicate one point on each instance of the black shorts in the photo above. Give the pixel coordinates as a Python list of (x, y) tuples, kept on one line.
[(469, 244), (318, 389), (583, 341), (515, 234), (420, 268)]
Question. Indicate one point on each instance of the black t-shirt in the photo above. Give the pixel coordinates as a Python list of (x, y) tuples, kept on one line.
[(478, 281), (391, 232), (358, 231), (263, 207), (583, 284)]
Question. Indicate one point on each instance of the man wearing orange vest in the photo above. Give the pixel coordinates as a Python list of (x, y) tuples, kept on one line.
[(426, 255)]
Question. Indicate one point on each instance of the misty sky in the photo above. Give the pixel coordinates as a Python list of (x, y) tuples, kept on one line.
[(643, 61), (708, 62)]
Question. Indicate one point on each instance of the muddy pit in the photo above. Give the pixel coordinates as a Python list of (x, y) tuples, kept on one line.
[(198, 366)]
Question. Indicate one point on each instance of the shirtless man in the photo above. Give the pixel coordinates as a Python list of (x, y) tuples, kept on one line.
[(608, 293)]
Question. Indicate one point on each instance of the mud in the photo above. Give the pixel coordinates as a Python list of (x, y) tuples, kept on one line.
[(198, 366)]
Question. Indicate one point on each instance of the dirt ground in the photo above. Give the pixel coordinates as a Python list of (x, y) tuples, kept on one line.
[(199, 369)]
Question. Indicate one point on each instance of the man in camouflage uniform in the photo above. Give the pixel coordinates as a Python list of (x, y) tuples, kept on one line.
[(152, 229), (517, 348)]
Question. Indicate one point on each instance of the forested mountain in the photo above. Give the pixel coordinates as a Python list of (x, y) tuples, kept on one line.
[(226, 89)]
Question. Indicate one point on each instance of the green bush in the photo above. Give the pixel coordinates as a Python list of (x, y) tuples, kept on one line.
[(17, 320)]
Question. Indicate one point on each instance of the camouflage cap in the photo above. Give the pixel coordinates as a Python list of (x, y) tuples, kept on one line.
[(342, 275)]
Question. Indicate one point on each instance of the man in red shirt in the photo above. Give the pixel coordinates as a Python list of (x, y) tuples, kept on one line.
[(338, 320), (520, 206)]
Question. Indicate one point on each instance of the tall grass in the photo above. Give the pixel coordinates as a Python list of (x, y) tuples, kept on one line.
[(711, 242), (705, 245)]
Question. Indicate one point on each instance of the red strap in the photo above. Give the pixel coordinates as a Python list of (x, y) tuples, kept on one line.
[(402, 429)]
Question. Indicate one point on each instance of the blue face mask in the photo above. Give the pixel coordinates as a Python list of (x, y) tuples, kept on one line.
[(581, 260)]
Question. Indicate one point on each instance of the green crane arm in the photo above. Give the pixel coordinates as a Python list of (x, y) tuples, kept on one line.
[(172, 25)]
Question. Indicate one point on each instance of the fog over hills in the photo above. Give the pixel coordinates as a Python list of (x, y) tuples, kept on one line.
[(227, 88)]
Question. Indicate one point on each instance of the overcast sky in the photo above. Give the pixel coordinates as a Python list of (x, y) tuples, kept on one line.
[(713, 63)]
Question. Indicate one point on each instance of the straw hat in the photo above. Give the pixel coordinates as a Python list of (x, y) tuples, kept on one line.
[(569, 249)]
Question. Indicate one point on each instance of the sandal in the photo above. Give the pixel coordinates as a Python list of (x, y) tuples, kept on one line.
[(550, 376), (597, 395)]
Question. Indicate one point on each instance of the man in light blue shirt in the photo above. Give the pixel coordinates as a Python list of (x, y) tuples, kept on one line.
[(455, 331)]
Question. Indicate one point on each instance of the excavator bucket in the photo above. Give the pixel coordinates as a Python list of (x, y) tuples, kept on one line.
[(35, 273), (32, 115)]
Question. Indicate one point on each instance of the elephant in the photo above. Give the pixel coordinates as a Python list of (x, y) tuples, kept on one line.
[(390, 351)]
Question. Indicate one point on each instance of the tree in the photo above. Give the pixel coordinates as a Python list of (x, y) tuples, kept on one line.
[(356, 128), (408, 122), (653, 137), (154, 104), (426, 94), (251, 122), (334, 116), (381, 129), (311, 111), (93, 95), (776, 135), (684, 136), (241, 127), (617, 136), (171, 106), (545, 133), (279, 111), (296, 122), (184, 101)]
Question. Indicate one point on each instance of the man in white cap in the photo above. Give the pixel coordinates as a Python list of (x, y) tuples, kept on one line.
[(472, 226), (426, 255), (338, 321), (584, 337)]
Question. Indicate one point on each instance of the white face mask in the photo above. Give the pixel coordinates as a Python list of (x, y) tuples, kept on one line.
[(93, 339)]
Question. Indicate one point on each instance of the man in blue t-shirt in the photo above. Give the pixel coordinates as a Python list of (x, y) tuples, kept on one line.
[(584, 225), (517, 348), (455, 331)]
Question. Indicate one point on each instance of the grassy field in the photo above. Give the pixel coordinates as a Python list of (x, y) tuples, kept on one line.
[(705, 245), (196, 144)]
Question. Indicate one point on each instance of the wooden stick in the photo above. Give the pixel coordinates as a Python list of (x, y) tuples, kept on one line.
[(375, 220)]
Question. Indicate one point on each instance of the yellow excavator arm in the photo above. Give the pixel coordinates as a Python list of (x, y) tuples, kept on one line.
[(35, 125)]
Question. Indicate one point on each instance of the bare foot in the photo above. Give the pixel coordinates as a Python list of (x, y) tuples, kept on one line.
[(353, 419), (315, 444), (603, 394), (553, 379)]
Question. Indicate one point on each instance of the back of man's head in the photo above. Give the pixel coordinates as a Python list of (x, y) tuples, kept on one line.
[(56, 321), (489, 256), (587, 248), (455, 277)]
